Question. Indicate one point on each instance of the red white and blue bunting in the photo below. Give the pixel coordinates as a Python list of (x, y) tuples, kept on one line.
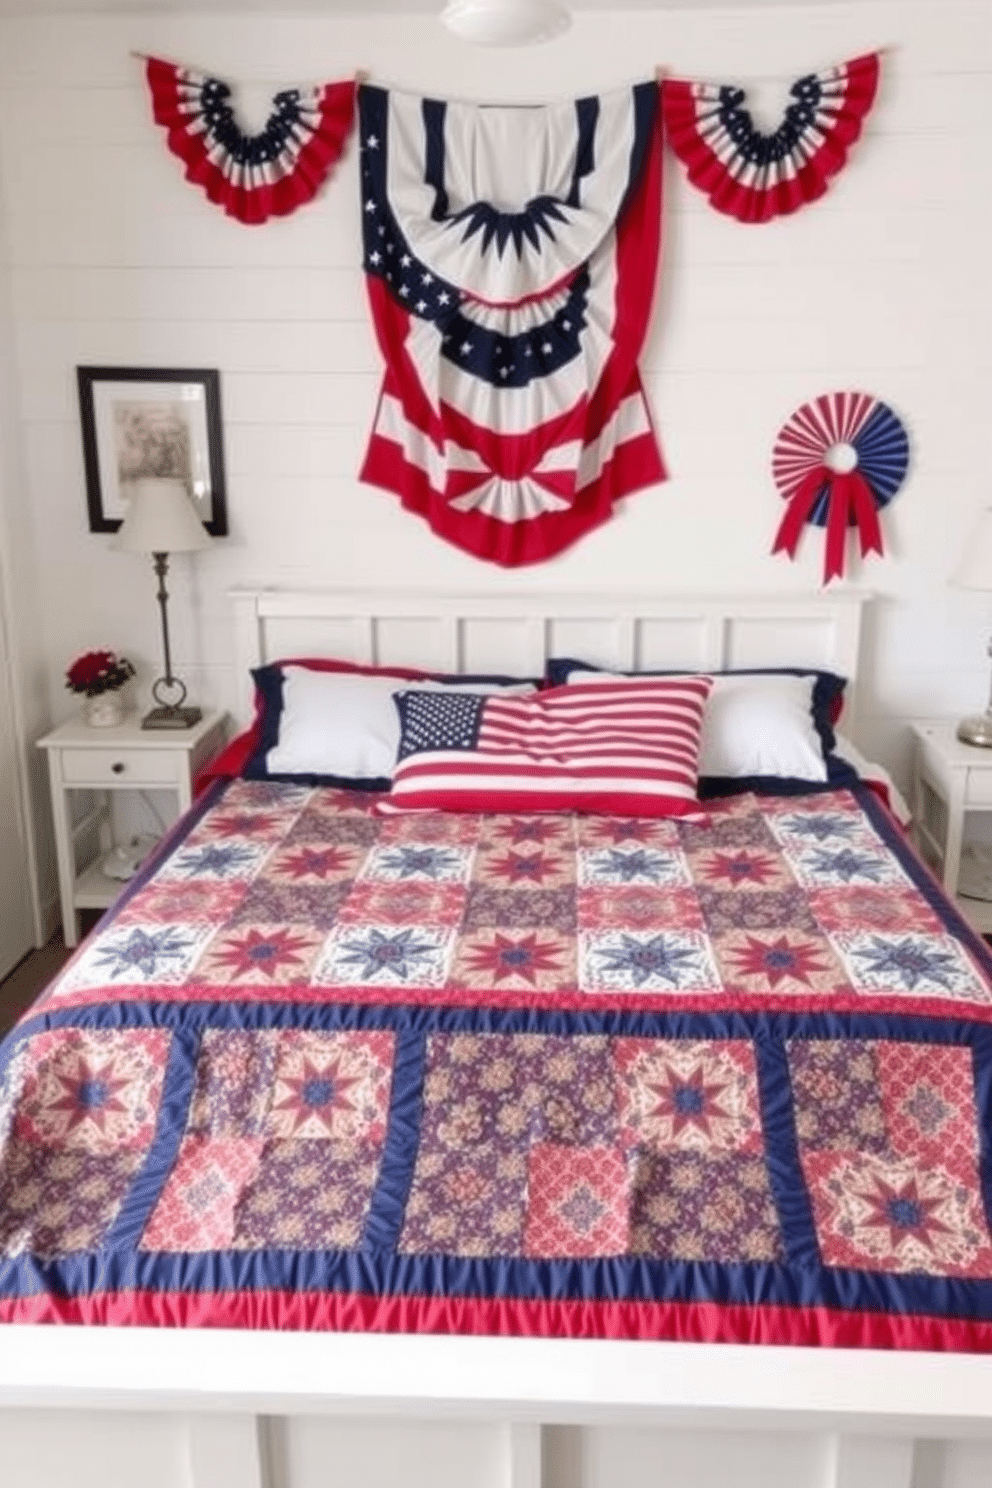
[(837, 461), (510, 259), (252, 176), (754, 176)]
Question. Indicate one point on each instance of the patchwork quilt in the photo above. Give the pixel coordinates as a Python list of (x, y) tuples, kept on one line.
[(727, 1079)]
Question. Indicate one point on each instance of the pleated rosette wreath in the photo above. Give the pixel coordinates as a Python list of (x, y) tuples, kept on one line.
[(510, 257), (837, 461), (755, 176), (251, 176)]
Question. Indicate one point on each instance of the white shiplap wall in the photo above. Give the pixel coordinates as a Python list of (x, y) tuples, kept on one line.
[(113, 258)]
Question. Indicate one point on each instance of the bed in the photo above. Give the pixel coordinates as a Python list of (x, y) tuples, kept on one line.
[(536, 1342)]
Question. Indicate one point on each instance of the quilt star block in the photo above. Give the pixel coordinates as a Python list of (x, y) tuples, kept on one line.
[(226, 859), (908, 963), (898, 1215), (261, 955), (626, 831), (731, 868), (781, 961), (138, 954), (96, 1089), (390, 955), (842, 865), (662, 961), (536, 960), (688, 1095), (317, 863), (633, 864), (430, 862), (331, 1087), (524, 865)]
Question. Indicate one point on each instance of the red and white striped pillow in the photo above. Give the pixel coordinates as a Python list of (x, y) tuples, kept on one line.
[(631, 749)]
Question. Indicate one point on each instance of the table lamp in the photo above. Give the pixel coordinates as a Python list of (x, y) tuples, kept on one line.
[(161, 519), (975, 572)]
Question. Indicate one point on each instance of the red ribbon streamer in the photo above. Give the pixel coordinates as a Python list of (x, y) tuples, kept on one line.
[(850, 502)]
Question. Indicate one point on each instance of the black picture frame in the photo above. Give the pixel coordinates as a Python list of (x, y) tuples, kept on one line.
[(151, 421)]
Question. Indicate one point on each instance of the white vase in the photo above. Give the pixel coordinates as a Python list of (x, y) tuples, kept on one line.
[(106, 710)]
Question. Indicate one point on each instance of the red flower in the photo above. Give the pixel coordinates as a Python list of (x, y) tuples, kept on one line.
[(98, 671)]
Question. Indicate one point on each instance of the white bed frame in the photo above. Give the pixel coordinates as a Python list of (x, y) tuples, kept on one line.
[(517, 633), (159, 1408)]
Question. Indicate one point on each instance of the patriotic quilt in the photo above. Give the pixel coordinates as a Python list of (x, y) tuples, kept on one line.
[(724, 1079), (510, 256)]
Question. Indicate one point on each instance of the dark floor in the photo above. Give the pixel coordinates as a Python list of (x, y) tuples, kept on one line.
[(30, 977)]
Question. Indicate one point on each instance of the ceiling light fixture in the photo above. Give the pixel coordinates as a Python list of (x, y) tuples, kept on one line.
[(505, 22)]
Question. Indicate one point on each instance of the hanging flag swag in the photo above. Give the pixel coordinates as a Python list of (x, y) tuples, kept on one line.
[(252, 176), (836, 461), (754, 176), (510, 258)]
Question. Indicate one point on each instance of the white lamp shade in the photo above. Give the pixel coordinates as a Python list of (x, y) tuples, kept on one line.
[(975, 569), (505, 22), (160, 518)]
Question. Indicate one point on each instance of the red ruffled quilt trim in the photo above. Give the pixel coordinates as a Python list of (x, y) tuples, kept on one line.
[(677, 1322)]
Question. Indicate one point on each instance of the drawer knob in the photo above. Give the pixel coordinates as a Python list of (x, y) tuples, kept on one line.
[(118, 767)]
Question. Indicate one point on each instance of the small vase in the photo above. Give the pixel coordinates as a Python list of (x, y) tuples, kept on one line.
[(106, 710)]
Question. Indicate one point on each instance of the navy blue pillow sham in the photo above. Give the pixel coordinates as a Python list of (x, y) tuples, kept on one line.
[(268, 681)]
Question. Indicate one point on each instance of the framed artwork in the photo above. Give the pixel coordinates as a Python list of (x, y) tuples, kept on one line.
[(151, 421)]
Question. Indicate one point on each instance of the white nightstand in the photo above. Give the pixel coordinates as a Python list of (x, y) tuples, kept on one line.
[(115, 759), (950, 779)]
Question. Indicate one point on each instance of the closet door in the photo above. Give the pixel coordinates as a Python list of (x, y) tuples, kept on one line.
[(16, 921)]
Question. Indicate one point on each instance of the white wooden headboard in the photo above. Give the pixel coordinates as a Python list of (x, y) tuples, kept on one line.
[(516, 633)]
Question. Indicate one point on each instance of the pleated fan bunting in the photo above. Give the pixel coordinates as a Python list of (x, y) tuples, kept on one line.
[(251, 176), (755, 176)]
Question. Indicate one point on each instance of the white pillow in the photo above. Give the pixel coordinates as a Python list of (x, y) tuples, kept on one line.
[(758, 724), (343, 723)]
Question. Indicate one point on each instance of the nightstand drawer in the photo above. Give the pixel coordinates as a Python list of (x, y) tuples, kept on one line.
[(119, 766), (109, 763), (978, 788)]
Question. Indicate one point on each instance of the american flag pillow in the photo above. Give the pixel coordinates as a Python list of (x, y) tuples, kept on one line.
[(630, 749)]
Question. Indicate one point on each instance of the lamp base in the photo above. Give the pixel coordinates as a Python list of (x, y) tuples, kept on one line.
[(976, 730), (183, 718)]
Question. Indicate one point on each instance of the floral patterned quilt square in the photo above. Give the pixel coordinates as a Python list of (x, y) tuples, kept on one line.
[(728, 1079)]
